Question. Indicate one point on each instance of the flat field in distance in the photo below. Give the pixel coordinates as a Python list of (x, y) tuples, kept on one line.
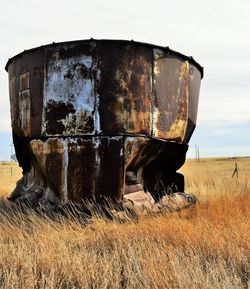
[(207, 246)]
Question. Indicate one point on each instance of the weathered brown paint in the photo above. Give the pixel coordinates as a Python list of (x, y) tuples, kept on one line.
[(194, 89), (87, 112), (171, 97), (26, 79), (50, 158), (125, 88)]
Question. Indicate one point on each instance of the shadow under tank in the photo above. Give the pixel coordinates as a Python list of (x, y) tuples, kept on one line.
[(99, 119)]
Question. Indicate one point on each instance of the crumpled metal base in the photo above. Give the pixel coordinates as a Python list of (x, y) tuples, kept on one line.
[(31, 192)]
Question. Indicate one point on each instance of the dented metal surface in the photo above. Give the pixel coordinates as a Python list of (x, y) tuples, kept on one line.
[(78, 168), (88, 113)]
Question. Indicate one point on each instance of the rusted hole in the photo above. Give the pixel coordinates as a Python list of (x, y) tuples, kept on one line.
[(68, 75)]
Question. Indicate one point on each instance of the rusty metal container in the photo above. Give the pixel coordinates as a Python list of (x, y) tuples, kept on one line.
[(92, 119)]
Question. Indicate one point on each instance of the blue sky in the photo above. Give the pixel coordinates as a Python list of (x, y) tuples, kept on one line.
[(215, 32)]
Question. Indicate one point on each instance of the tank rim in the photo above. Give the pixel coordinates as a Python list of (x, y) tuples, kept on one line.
[(165, 48)]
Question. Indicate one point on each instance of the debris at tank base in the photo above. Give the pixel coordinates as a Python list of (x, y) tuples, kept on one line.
[(32, 192), (31, 195), (143, 203)]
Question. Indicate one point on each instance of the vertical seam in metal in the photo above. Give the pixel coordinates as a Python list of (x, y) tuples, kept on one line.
[(152, 98), (96, 137), (97, 96), (43, 130), (188, 103), (66, 163), (123, 163), (189, 100)]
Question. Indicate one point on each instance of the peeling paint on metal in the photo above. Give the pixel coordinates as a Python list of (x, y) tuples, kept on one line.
[(70, 80), (97, 115), (171, 82), (24, 111), (179, 125)]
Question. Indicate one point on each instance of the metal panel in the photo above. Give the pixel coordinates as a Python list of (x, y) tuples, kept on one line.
[(194, 90), (36, 92), (125, 88), (24, 111), (26, 93), (132, 146), (24, 103), (24, 82), (95, 168), (77, 169), (171, 95), (111, 174), (12, 95), (195, 80), (83, 168), (70, 89), (50, 155)]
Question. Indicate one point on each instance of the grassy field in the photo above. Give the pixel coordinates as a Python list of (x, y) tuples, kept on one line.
[(204, 247)]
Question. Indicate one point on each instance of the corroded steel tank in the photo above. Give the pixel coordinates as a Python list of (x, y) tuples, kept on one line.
[(98, 119)]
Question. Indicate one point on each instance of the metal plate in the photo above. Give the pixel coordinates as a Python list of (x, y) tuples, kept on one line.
[(77, 169), (26, 93), (50, 156), (194, 90), (95, 168), (171, 96), (125, 88), (132, 147), (195, 81), (70, 89)]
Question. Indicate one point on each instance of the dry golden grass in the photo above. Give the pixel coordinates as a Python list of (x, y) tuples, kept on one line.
[(203, 247), (10, 172)]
